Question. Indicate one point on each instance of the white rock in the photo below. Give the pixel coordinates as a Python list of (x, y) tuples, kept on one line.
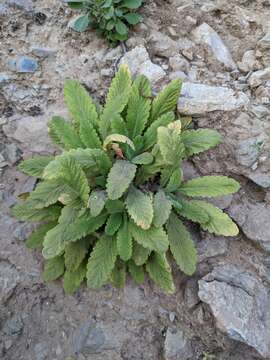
[(265, 41), (179, 63), (139, 63), (198, 99), (249, 62), (177, 345), (204, 34), (258, 77), (162, 45)]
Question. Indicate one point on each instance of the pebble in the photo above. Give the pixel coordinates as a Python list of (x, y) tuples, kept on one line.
[(43, 52), (23, 64), (258, 77), (265, 41)]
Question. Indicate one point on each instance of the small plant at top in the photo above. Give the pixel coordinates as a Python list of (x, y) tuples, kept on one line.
[(114, 200), (110, 18)]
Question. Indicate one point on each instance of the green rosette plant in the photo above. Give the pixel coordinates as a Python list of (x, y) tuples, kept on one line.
[(111, 18), (114, 201)]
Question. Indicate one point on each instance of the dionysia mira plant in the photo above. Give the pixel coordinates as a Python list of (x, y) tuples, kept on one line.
[(114, 200)]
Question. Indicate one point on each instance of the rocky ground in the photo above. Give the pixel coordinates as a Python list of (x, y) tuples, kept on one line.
[(221, 50)]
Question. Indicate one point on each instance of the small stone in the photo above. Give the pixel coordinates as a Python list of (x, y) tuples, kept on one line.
[(26, 5), (139, 62), (14, 326), (23, 64), (261, 179), (162, 45), (172, 316), (43, 52), (240, 304), (41, 351), (178, 75), (212, 246), (3, 162), (249, 62), (8, 344), (199, 99), (12, 153), (191, 294), (258, 77), (4, 78), (265, 41), (177, 345), (247, 152), (254, 222), (179, 63), (260, 111), (204, 34)]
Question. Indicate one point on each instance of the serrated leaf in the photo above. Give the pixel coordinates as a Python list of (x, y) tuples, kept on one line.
[(89, 135), (166, 100), (35, 240), (175, 180), (138, 112), (176, 126), (101, 262), (70, 213), (154, 238), (116, 100), (150, 135), (57, 238), (171, 147), (81, 106), (75, 253), (120, 177), (114, 206), (191, 211), (97, 202), (136, 272), (162, 208), (26, 212), (116, 138), (113, 223), (143, 85), (73, 280), (219, 223), (145, 158), (53, 268), (94, 160), (159, 271), (181, 245), (63, 134), (118, 125), (196, 141), (35, 166), (124, 241), (118, 275), (140, 254), (209, 186), (139, 207)]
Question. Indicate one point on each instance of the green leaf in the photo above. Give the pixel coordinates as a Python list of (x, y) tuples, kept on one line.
[(124, 241), (175, 180), (75, 253), (101, 262), (181, 245), (121, 28), (159, 271), (191, 211), (36, 165), (132, 4), (115, 138), (89, 135), (138, 112), (116, 100), (114, 206), (196, 141), (139, 207), (73, 280), (35, 240), (119, 126), (154, 238), (53, 268), (136, 272), (80, 105), (150, 135), (143, 85), (171, 147), (140, 254), (56, 239), (113, 223), (133, 18), (80, 23), (26, 211), (120, 177), (94, 160), (118, 275), (162, 208), (97, 202), (166, 100), (209, 186), (145, 158), (219, 222), (63, 134)]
